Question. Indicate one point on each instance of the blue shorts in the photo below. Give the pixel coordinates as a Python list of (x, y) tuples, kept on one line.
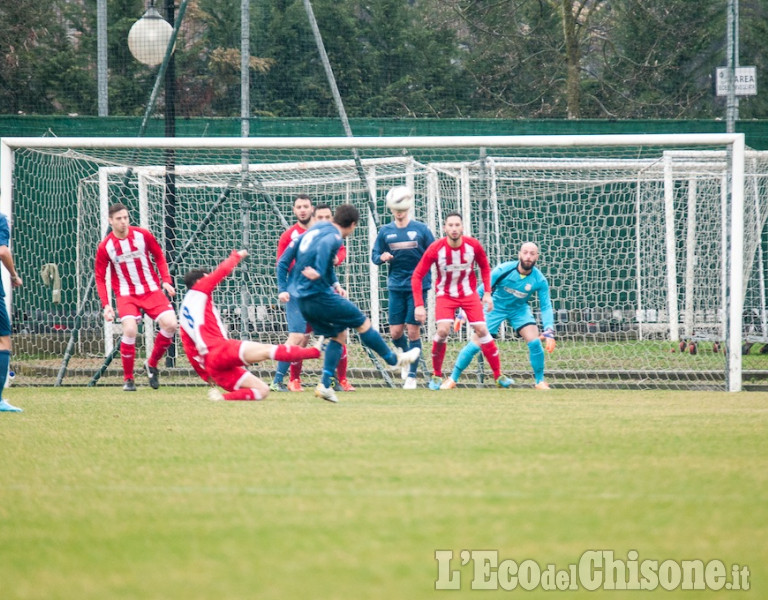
[(401, 307), (517, 319), (296, 321), (5, 322), (330, 314)]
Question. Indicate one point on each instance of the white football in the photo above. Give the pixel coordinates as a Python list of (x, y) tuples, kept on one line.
[(400, 198)]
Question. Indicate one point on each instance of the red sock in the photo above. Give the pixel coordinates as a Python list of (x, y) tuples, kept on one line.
[(243, 394), (491, 353), (295, 370), (162, 343), (341, 368), (128, 354), (438, 355), (293, 353)]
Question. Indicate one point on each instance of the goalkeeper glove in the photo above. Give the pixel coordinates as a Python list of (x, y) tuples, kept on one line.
[(460, 319), (548, 339)]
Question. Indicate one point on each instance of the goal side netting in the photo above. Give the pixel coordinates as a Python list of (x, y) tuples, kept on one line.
[(643, 240)]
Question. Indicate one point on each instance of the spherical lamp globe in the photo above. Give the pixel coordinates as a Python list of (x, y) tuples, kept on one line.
[(148, 38)]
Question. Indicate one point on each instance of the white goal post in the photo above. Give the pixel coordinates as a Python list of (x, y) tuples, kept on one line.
[(644, 239)]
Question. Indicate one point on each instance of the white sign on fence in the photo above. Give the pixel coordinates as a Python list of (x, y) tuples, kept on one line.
[(745, 80)]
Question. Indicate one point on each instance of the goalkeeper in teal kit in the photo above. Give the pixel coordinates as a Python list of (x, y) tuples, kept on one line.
[(513, 284)]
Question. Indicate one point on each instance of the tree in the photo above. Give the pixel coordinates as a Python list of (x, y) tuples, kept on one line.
[(656, 59), (385, 60), (129, 81), (208, 59), (41, 69), (576, 16), (513, 54), (753, 17), (394, 58)]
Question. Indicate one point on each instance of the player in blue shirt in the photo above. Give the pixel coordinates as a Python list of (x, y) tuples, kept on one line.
[(401, 244), (322, 300), (513, 284), (5, 322)]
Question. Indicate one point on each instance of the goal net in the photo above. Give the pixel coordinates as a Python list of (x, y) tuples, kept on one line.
[(642, 238)]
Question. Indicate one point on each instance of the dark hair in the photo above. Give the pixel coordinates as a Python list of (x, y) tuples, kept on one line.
[(323, 207), (116, 208), (345, 215), (302, 197), (453, 213), (193, 276)]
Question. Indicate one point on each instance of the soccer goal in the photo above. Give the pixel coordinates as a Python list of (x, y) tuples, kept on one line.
[(643, 239)]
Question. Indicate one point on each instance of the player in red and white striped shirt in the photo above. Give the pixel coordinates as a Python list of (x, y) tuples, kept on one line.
[(455, 257), (128, 252), (217, 358)]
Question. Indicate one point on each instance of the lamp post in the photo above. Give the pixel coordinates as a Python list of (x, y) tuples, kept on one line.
[(148, 41)]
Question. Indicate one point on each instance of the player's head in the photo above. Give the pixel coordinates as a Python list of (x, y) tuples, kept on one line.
[(323, 212), (116, 208), (453, 226), (193, 276), (528, 255), (119, 219), (346, 218), (303, 209)]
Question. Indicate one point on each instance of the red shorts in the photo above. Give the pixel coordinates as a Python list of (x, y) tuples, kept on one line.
[(152, 303), (225, 365), (445, 308)]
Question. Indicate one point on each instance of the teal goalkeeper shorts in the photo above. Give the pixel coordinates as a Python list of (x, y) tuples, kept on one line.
[(517, 318)]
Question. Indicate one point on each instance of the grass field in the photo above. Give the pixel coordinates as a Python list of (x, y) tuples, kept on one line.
[(167, 495)]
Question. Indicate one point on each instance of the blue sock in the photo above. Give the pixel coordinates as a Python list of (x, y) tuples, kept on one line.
[(465, 357), (536, 356), (5, 361), (415, 364), (372, 338), (282, 369), (333, 353), (401, 342)]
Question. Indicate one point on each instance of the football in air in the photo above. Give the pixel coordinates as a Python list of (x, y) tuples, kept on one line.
[(400, 198)]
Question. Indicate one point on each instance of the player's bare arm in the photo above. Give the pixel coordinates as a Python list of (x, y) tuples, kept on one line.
[(340, 290), (169, 289), (488, 302)]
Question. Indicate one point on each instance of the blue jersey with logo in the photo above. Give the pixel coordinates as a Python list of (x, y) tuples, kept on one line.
[(314, 248), (407, 245), (512, 291)]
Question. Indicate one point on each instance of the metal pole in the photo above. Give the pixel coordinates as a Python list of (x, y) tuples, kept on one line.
[(101, 57), (245, 70), (245, 114), (169, 197), (341, 110), (732, 102)]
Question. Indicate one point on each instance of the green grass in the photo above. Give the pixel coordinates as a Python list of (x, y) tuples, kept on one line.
[(167, 495)]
